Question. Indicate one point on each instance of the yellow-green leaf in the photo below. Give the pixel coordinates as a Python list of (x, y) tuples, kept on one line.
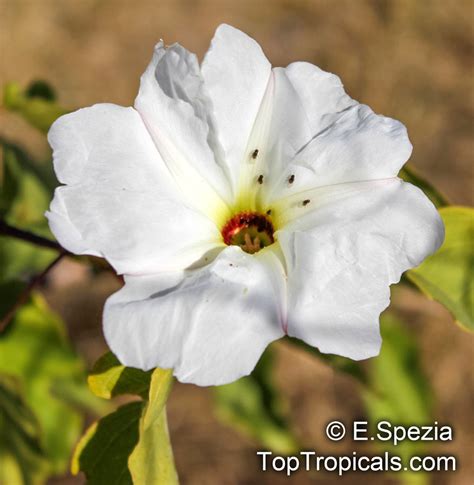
[(39, 111), (152, 459), (110, 378), (448, 275), (103, 451), (131, 445)]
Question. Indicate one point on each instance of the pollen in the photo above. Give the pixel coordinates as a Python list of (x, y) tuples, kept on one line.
[(250, 231)]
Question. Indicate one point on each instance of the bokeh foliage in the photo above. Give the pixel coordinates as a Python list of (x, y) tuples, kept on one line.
[(43, 391)]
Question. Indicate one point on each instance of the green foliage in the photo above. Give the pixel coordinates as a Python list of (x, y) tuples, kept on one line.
[(109, 378), (25, 164), (152, 459), (447, 276), (22, 458), (103, 451), (253, 405), (31, 196), (23, 201), (132, 444), (40, 89), (36, 104), (35, 350), (8, 180), (397, 390)]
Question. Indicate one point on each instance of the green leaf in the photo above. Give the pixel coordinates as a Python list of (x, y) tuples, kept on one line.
[(253, 405), (447, 276), (409, 174), (9, 183), (152, 459), (103, 451), (32, 195), (36, 351), (21, 260), (10, 292), (38, 110), (132, 444), (22, 459), (41, 89), (24, 201), (109, 378), (398, 391), (42, 170)]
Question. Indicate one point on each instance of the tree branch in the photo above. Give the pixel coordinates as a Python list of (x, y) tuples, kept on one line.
[(8, 230), (25, 294)]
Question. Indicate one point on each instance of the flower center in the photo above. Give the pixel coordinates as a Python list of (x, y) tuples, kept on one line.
[(249, 230)]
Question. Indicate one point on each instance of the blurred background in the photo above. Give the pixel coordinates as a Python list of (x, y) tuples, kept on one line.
[(407, 59)]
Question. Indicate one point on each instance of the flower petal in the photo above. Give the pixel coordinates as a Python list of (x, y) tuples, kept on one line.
[(211, 325), (236, 73), (281, 128), (342, 257), (322, 94), (176, 112), (359, 145), (121, 202)]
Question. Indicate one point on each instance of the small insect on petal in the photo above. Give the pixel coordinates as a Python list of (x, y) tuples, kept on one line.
[(255, 154), (306, 202), (291, 179), (269, 211), (260, 179)]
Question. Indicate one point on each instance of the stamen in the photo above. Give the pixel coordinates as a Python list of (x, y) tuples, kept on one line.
[(260, 179), (249, 230), (255, 154)]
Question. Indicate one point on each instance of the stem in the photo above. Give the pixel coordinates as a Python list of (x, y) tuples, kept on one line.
[(8, 230), (25, 294)]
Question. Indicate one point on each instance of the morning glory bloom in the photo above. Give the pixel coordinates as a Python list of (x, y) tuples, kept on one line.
[(241, 203)]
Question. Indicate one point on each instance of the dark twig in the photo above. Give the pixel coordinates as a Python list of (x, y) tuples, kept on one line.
[(8, 230), (25, 294), (11, 231)]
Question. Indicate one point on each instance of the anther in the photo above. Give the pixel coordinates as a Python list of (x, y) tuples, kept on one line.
[(255, 154), (291, 179), (260, 179), (306, 202)]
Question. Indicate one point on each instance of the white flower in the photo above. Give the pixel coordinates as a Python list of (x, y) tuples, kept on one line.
[(241, 203)]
